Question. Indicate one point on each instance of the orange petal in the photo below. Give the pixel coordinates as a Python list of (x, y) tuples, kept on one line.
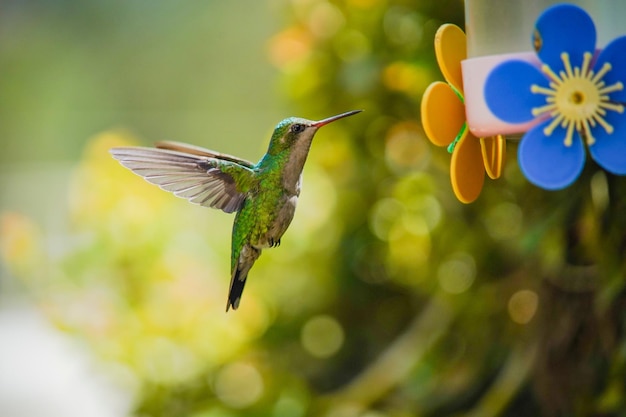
[(493, 149), (466, 168), (443, 113), (450, 50)]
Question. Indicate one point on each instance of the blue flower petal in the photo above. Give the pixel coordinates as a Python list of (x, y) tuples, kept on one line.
[(614, 54), (546, 161), (564, 28), (507, 91), (609, 150)]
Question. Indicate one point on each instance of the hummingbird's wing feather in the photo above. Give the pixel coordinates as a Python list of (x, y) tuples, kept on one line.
[(202, 180), (197, 150)]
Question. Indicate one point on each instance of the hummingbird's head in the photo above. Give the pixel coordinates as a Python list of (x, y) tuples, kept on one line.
[(295, 132)]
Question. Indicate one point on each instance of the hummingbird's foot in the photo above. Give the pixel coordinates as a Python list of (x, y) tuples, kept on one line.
[(274, 243)]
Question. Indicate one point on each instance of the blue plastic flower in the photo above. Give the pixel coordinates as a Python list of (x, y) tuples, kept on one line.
[(576, 96)]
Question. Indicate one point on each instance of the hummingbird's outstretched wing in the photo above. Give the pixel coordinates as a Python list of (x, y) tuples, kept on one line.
[(197, 150), (203, 180)]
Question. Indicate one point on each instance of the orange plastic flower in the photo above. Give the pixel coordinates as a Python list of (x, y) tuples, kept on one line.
[(443, 118)]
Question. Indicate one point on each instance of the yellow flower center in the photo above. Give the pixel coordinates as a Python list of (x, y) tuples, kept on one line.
[(577, 99)]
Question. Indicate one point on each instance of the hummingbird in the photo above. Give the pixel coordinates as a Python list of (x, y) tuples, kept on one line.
[(263, 195)]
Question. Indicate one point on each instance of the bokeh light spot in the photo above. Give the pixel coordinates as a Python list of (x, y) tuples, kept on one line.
[(289, 48), (322, 336), (405, 147), (288, 406), (599, 191), (239, 385), (325, 20), (404, 77), (523, 306), (422, 210), (408, 253), (18, 237), (385, 213), (352, 45), (504, 221), (403, 26), (457, 274), (164, 360)]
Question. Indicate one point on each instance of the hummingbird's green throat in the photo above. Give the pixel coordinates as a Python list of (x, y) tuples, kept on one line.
[(263, 195)]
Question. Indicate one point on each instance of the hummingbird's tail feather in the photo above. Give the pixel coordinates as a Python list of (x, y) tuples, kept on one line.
[(236, 289), (247, 257)]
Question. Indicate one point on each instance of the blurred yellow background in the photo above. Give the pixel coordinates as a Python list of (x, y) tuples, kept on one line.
[(387, 297)]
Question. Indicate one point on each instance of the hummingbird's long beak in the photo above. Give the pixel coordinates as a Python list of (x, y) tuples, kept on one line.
[(323, 122)]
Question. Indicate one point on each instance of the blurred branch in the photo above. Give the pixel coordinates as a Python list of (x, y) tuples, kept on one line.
[(394, 364), (506, 386)]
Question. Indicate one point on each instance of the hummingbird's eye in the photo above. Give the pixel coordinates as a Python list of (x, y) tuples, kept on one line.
[(297, 127)]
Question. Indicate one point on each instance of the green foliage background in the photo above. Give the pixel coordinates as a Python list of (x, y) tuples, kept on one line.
[(387, 297)]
